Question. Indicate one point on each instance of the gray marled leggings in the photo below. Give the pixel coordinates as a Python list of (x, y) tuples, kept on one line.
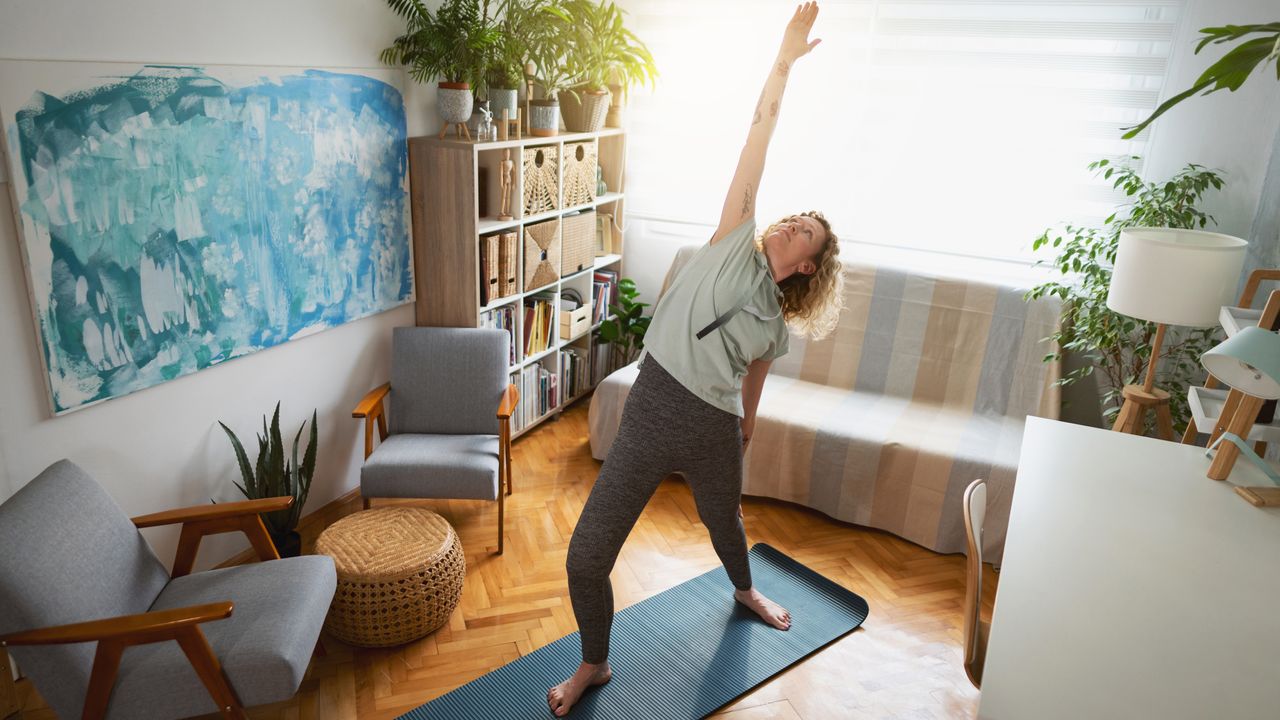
[(665, 428)]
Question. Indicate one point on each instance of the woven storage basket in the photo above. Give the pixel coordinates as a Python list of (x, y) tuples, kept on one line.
[(507, 270), (577, 242), (541, 254), (490, 288), (579, 173), (541, 180), (400, 572)]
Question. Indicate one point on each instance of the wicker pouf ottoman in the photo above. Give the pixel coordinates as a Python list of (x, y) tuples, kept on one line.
[(400, 572)]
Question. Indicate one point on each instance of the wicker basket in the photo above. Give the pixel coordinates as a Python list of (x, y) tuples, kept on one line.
[(490, 288), (579, 173), (508, 272), (400, 572), (541, 254), (541, 179), (577, 242)]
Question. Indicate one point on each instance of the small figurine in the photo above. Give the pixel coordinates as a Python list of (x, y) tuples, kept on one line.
[(601, 188), (485, 131), (504, 185)]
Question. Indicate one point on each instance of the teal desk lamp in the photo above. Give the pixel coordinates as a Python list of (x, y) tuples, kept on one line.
[(1248, 362)]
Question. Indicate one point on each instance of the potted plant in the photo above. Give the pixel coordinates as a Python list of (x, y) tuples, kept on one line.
[(1118, 346), (273, 475), (455, 44), (519, 21), (547, 66), (626, 329), (600, 52)]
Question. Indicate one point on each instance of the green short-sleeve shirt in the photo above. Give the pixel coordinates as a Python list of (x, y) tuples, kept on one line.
[(715, 279)]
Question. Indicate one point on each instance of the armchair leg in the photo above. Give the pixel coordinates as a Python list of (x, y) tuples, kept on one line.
[(501, 526), (200, 653)]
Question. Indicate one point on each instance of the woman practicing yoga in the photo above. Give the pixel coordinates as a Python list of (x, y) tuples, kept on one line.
[(724, 317)]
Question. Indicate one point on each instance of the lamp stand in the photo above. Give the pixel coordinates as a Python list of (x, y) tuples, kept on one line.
[(1138, 399)]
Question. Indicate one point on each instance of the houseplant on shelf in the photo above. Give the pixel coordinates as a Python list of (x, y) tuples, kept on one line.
[(518, 21), (1119, 346), (547, 67), (455, 44), (272, 475), (602, 54), (625, 330)]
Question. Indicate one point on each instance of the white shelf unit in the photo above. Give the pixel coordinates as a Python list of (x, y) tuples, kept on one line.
[(447, 226)]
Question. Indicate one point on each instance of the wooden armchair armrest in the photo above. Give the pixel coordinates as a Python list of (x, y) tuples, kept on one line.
[(510, 398), (372, 409), (138, 627), (216, 519), (115, 634), (213, 511), (1255, 280)]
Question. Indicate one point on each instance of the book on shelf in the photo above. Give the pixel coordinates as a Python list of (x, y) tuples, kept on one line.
[(575, 371), (604, 292), (538, 313), (503, 318), (539, 394)]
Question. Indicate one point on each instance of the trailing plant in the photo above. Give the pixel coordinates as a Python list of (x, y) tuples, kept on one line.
[(1232, 69), (1117, 345), (625, 331), (274, 475), (456, 42), (599, 49)]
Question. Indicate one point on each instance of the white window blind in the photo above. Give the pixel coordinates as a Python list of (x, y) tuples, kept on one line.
[(952, 125)]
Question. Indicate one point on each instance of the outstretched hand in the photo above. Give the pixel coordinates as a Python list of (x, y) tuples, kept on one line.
[(795, 41)]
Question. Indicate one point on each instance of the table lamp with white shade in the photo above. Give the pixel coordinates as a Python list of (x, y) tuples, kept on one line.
[(1169, 276), (1248, 362)]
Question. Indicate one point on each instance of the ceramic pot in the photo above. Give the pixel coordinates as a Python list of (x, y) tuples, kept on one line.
[(544, 118), (454, 102), (288, 544), (500, 99)]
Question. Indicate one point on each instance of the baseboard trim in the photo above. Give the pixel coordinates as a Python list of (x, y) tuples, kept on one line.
[(304, 522)]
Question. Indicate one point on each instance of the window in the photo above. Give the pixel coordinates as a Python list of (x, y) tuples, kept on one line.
[(958, 125)]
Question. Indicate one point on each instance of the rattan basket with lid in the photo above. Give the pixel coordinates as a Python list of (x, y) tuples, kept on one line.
[(400, 573)]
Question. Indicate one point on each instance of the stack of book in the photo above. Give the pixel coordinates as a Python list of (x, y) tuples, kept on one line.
[(503, 318), (601, 362), (604, 293), (538, 330), (575, 375)]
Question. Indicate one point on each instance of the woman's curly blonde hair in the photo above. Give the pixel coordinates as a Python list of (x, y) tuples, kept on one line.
[(811, 304)]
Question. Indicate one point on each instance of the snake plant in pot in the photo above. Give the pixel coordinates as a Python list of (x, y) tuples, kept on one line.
[(274, 475), (455, 43)]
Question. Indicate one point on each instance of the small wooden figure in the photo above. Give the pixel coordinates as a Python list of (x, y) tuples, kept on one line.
[(504, 184)]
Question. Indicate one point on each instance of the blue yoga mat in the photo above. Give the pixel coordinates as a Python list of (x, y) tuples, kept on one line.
[(681, 654)]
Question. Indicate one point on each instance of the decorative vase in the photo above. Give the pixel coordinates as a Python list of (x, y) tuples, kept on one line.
[(500, 99), (544, 118), (585, 113), (288, 544), (454, 102), (618, 103)]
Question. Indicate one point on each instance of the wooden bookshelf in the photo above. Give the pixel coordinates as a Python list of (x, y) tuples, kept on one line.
[(445, 200)]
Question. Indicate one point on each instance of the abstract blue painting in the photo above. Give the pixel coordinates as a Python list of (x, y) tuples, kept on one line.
[(177, 217)]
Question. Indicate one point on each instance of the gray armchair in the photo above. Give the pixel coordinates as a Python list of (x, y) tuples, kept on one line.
[(79, 586), (445, 438)]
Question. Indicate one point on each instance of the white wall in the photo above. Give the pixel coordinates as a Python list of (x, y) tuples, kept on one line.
[(162, 447)]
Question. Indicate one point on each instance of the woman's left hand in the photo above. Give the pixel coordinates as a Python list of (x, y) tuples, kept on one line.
[(795, 41), (748, 427)]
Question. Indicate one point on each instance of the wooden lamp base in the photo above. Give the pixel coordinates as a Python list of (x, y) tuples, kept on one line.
[(1138, 401)]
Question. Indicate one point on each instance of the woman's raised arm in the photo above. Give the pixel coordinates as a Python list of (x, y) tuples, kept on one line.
[(740, 203)]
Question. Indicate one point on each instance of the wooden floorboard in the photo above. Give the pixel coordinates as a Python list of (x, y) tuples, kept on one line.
[(904, 662)]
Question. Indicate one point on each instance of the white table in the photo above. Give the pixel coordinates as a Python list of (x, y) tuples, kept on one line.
[(1132, 587)]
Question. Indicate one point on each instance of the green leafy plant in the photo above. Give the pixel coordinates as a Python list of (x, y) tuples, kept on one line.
[(520, 21), (1116, 345), (272, 475), (457, 42), (1232, 69), (625, 331), (545, 48), (599, 49)]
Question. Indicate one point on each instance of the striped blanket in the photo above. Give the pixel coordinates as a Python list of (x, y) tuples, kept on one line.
[(924, 386)]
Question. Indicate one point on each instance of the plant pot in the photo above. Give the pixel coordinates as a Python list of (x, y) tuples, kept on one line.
[(586, 114), (288, 544), (500, 99), (614, 118), (544, 118), (454, 102)]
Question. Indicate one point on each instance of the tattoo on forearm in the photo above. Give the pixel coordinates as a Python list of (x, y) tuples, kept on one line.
[(755, 120), (746, 201), (773, 109), (783, 68)]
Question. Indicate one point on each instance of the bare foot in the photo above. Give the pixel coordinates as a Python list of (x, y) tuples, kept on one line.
[(770, 611), (562, 697)]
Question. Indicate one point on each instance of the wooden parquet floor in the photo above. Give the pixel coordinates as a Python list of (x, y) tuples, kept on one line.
[(904, 662)]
